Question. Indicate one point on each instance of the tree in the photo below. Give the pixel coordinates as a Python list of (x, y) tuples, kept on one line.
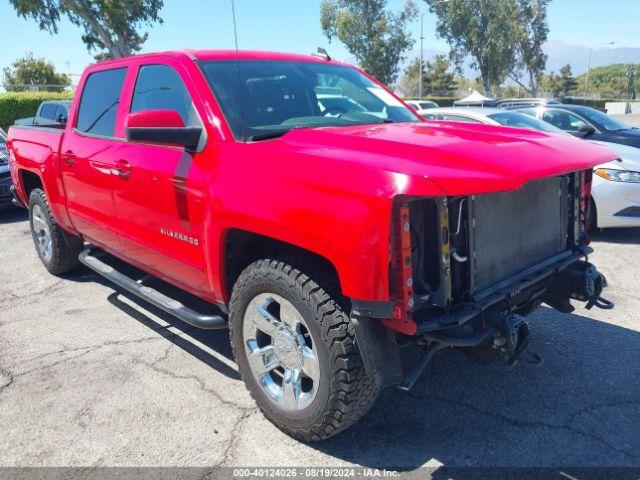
[(551, 83), (30, 71), (111, 27), (568, 83), (612, 80), (437, 77), (410, 81), (532, 34), (484, 30), (468, 85), (376, 37)]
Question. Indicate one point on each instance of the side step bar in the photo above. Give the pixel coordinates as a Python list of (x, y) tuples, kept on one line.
[(152, 296)]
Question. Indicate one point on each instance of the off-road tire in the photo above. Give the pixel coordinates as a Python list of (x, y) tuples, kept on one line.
[(346, 392), (65, 247)]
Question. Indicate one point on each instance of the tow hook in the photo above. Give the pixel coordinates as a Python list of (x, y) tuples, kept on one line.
[(580, 281), (593, 284), (513, 341), (596, 283)]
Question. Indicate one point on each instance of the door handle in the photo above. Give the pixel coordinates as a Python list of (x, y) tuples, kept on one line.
[(69, 157), (122, 168)]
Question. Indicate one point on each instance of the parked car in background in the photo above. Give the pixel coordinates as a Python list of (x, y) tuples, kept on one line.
[(525, 102), (586, 122), (6, 197), (615, 191), (49, 113), (421, 106), (490, 116)]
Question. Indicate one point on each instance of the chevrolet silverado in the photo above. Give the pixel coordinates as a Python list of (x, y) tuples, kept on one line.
[(342, 247)]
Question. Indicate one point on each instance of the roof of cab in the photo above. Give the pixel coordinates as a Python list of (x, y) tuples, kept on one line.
[(204, 55)]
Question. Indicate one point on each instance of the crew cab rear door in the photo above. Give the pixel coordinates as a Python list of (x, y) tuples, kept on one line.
[(88, 151), (161, 195)]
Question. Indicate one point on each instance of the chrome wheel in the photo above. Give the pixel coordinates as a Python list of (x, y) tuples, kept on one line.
[(281, 353), (41, 232)]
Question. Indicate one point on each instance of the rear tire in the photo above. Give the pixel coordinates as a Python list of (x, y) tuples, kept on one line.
[(330, 396), (57, 249)]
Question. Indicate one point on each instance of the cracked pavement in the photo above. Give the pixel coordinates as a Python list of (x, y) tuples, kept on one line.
[(90, 377)]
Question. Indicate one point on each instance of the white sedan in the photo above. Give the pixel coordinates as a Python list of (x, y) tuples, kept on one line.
[(422, 106), (615, 189)]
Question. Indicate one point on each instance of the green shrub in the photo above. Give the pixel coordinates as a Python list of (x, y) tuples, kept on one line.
[(24, 104), (597, 103)]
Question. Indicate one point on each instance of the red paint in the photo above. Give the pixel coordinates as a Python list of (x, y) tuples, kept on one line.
[(327, 190), (154, 118)]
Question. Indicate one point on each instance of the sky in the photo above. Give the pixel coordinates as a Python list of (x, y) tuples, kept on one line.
[(293, 26)]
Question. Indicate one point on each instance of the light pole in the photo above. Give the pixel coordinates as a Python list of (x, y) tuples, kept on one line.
[(422, 43), (586, 82)]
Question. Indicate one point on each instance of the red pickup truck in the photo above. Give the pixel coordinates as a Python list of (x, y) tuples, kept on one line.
[(341, 238)]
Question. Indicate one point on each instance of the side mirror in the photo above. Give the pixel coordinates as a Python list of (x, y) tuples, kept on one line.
[(586, 130), (164, 127)]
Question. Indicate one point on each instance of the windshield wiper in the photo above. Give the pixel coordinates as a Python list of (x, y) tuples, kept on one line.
[(279, 133), (267, 135)]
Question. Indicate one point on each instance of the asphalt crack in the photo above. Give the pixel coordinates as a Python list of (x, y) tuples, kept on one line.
[(11, 379), (235, 437), (155, 366), (85, 351), (160, 330), (520, 423)]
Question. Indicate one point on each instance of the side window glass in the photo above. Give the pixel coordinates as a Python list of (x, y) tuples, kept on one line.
[(563, 120), (159, 87), (48, 111), (459, 118), (99, 103), (576, 122), (528, 111)]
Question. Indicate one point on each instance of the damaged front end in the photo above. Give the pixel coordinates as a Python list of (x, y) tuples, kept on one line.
[(467, 271)]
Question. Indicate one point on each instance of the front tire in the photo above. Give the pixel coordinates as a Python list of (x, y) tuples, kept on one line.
[(295, 348), (58, 250)]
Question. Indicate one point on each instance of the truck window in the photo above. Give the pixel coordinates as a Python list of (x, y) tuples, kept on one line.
[(159, 87), (99, 102), (48, 111)]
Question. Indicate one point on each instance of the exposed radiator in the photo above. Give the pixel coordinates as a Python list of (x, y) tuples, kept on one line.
[(515, 230)]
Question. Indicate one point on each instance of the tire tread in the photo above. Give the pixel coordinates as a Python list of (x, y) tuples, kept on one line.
[(352, 392), (66, 247)]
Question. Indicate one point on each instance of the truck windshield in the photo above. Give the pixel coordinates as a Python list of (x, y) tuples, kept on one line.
[(265, 99)]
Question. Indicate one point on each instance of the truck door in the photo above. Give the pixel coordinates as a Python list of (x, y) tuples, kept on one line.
[(88, 152), (161, 196)]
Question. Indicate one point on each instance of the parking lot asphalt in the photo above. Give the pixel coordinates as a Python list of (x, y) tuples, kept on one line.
[(90, 377)]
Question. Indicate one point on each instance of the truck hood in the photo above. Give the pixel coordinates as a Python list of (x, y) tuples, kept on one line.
[(459, 158)]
